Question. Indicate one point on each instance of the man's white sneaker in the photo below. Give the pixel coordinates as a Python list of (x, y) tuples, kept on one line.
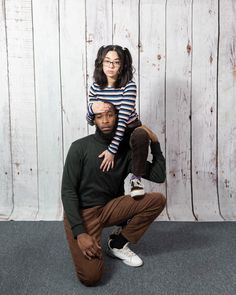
[(125, 254), (137, 188)]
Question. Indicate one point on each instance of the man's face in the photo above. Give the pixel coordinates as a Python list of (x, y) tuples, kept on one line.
[(106, 121)]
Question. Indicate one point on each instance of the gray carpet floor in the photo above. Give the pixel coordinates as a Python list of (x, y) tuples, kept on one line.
[(179, 258)]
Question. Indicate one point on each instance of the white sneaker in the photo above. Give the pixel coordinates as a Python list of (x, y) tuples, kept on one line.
[(137, 188), (125, 254)]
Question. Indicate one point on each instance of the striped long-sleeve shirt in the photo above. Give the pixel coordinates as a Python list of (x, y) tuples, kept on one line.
[(123, 99)]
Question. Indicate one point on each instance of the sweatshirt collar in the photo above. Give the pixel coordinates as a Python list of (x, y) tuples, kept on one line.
[(103, 138)]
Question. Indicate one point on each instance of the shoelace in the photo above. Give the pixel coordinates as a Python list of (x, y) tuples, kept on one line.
[(128, 252), (137, 181)]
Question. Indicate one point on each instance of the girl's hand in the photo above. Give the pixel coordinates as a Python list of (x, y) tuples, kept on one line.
[(100, 107), (108, 161)]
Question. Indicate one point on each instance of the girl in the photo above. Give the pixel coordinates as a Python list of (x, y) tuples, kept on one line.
[(113, 83)]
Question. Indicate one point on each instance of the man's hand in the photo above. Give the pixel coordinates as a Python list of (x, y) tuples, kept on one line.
[(108, 161), (153, 137), (89, 246), (100, 107)]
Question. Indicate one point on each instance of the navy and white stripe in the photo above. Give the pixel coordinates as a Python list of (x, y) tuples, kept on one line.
[(123, 99)]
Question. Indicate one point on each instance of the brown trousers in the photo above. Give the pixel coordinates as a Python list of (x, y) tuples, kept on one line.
[(140, 211)]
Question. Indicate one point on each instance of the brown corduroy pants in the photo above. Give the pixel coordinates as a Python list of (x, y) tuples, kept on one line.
[(140, 211)]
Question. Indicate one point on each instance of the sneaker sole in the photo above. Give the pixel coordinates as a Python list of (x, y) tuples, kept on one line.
[(129, 264), (137, 193)]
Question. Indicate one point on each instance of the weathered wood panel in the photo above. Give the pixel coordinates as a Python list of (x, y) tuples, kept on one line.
[(6, 193), (185, 73), (22, 104), (98, 33), (227, 110), (73, 70), (152, 75), (178, 95), (126, 32), (48, 106), (204, 103)]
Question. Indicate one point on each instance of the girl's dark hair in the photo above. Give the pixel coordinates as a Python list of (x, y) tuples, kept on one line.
[(125, 71)]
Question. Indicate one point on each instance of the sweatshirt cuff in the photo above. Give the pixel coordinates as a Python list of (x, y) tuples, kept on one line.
[(77, 230), (155, 148), (111, 150)]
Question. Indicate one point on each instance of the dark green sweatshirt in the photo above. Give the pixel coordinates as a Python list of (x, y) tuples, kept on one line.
[(84, 185)]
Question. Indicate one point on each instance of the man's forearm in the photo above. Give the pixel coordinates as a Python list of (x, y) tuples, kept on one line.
[(70, 198), (71, 208)]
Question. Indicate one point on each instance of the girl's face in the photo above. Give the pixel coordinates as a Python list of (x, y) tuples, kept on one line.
[(111, 65)]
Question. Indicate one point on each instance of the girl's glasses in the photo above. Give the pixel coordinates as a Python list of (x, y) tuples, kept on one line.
[(108, 63)]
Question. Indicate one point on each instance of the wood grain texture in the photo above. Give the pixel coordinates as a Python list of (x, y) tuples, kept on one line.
[(204, 101), (73, 70), (126, 32), (178, 95), (227, 110), (6, 202), (48, 108), (22, 104), (152, 76), (98, 33)]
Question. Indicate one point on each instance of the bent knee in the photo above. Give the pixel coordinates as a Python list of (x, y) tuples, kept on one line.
[(163, 200), (158, 198), (139, 135), (140, 132), (92, 275), (91, 279)]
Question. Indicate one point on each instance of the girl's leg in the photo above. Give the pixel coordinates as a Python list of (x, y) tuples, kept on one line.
[(139, 143)]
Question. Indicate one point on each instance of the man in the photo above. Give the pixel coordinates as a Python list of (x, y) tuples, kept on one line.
[(94, 199)]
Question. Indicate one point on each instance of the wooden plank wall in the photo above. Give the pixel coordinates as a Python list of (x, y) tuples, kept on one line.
[(184, 53)]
